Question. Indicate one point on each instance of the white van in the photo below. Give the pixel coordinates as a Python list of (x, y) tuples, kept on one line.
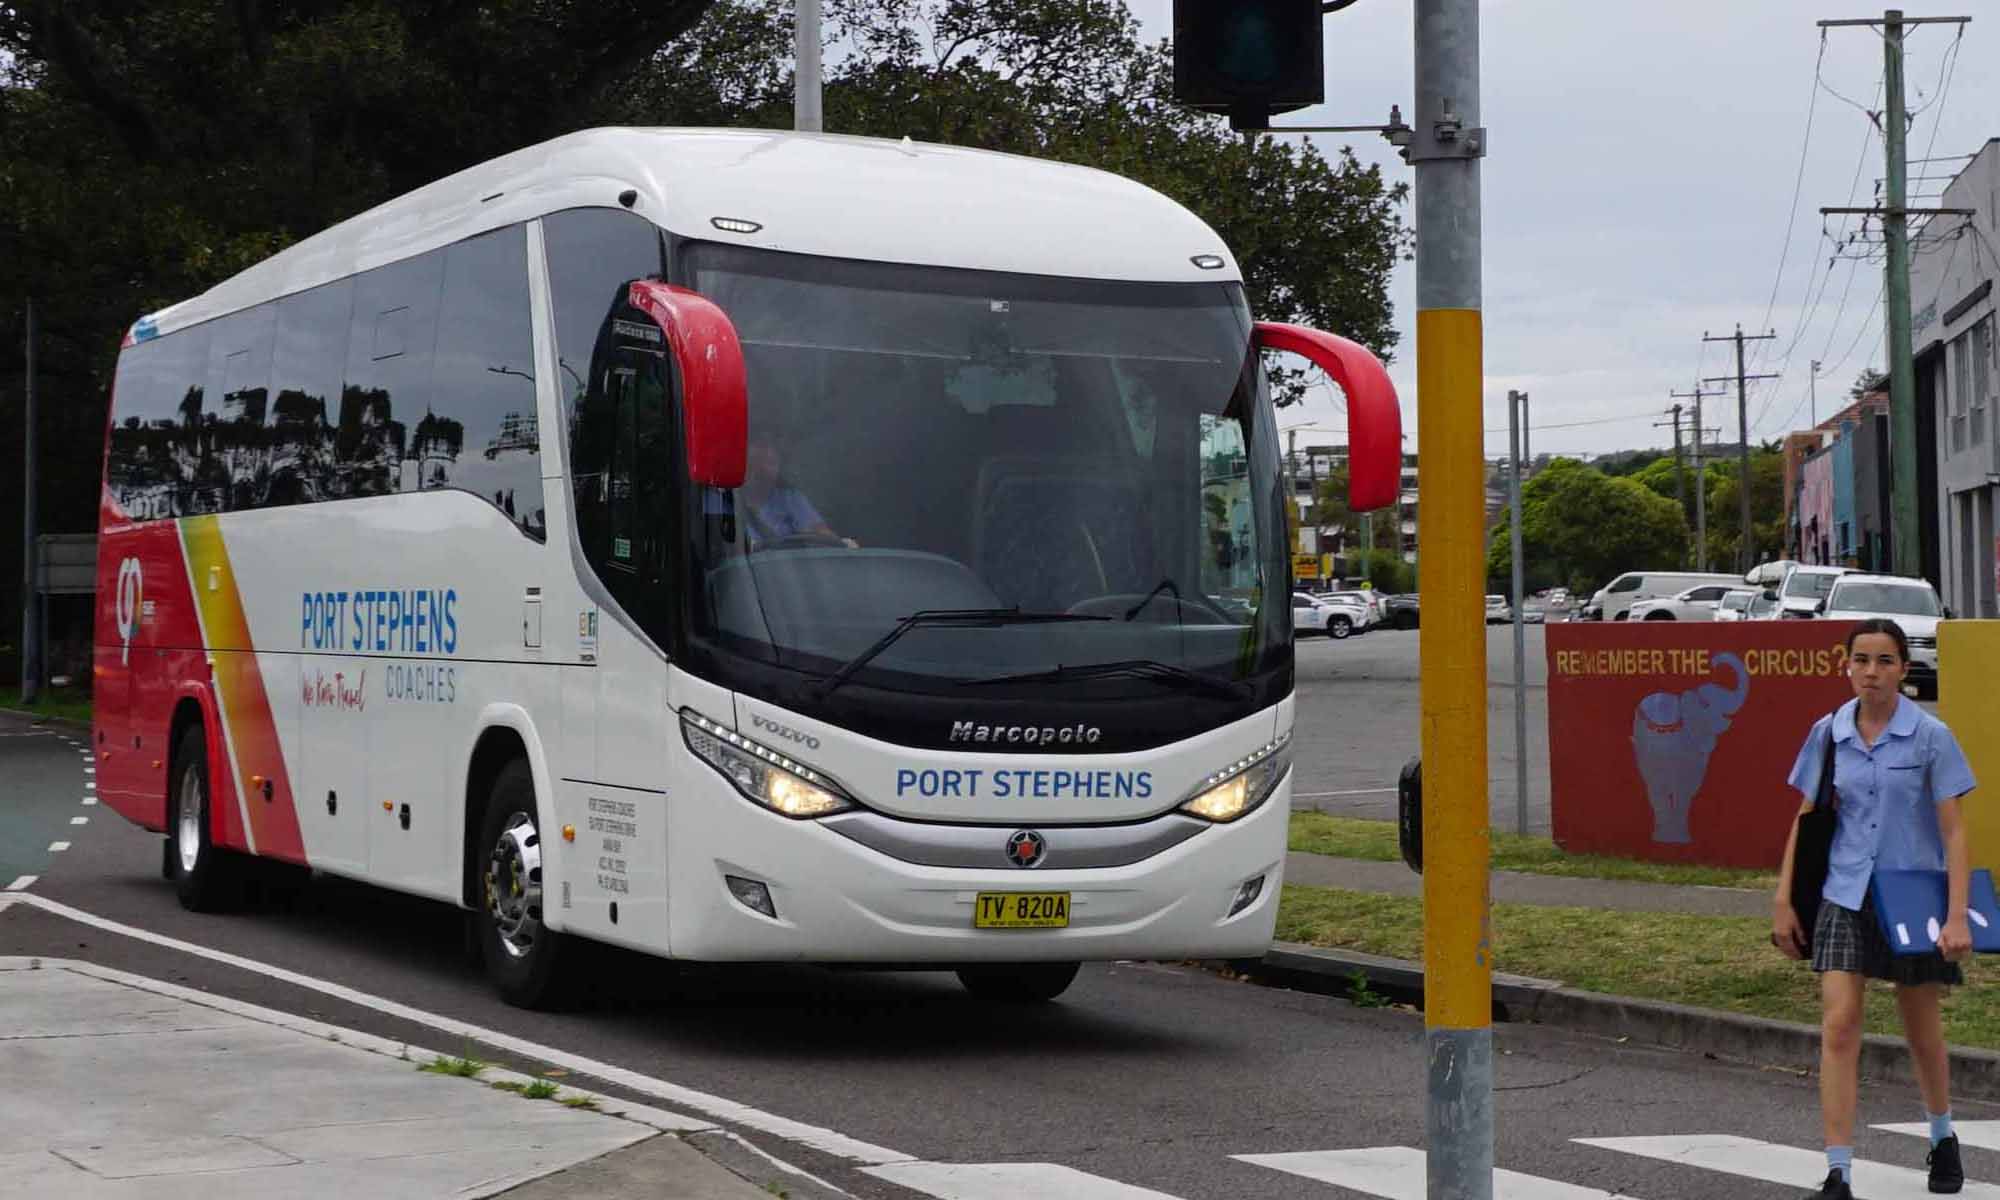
[(1615, 598)]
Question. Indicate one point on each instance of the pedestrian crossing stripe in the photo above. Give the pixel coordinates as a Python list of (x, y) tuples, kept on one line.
[(1752, 1159), (1980, 1135), (1008, 1181), (1397, 1173)]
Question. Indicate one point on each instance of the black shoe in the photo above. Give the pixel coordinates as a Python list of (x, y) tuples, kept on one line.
[(1835, 1188), (1947, 1173)]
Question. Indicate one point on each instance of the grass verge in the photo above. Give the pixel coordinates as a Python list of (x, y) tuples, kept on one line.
[(464, 1068), (1352, 837), (66, 705), (1722, 963)]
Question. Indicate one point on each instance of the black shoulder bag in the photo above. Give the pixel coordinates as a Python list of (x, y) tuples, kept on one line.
[(1814, 847)]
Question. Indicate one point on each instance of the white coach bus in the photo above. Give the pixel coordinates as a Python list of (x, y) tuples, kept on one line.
[(733, 545)]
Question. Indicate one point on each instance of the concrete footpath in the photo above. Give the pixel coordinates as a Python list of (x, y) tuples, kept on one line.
[(1788, 1045), (123, 1087)]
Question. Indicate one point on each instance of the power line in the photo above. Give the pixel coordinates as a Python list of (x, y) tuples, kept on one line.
[(1798, 182)]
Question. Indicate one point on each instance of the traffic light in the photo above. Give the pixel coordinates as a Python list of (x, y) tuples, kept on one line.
[(1248, 58)]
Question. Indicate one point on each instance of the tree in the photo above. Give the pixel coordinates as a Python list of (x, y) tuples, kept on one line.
[(1870, 380), (1580, 527), (1767, 507)]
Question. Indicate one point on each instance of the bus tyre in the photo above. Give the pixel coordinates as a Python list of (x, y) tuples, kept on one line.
[(1018, 983), (1338, 626), (521, 953), (205, 875)]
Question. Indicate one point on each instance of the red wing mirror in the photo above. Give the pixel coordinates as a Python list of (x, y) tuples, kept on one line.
[(714, 396), (1374, 418)]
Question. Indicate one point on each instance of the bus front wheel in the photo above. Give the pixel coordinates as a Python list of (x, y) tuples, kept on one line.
[(204, 874), (521, 953), (1018, 983)]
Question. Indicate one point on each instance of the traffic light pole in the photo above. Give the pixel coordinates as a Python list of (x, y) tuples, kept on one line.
[(1446, 144)]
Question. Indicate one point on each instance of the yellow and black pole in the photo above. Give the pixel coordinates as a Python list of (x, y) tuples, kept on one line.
[(1446, 144)]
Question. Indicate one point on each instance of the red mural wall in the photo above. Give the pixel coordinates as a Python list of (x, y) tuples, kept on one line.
[(1671, 740)]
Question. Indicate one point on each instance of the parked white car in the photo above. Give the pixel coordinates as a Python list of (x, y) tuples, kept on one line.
[(1370, 603), (1911, 603), (1735, 604), (1614, 599), (1498, 611), (1691, 604), (1804, 589), (1319, 614)]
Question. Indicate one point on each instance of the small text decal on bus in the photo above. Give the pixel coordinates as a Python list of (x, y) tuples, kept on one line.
[(380, 621)]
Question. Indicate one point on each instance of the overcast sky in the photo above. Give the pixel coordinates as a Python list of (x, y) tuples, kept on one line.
[(1638, 188)]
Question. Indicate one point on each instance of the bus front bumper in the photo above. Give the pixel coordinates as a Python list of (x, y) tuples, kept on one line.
[(837, 900)]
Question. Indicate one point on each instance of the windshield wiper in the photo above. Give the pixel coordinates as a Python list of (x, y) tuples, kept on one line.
[(945, 616), (1130, 668), (1165, 585)]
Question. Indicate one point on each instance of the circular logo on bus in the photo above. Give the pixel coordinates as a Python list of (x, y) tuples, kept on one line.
[(1026, 848)]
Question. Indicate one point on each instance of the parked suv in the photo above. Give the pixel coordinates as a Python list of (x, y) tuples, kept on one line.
[(1911, 603), (1323, 614)]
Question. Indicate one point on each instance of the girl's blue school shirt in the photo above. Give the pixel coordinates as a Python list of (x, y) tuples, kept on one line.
[(1888, 799)]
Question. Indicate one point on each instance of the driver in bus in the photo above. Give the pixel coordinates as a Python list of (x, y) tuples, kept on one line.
[(769, 509)]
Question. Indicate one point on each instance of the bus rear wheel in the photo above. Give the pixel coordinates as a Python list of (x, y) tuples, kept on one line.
[(1018, 983), (205, 876), (521, 953)]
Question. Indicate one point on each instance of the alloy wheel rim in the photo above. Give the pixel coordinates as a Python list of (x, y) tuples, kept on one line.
[(514, 885), (188, 824)]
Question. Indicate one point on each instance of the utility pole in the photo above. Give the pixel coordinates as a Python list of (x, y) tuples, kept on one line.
[(1680, 465), (806, 117), (1319, 542), (1905, 539), (1812, 396), (1700, 479), (1526, 457), (1746, 542), (1445, 146), (31, 624), (1517, 420)]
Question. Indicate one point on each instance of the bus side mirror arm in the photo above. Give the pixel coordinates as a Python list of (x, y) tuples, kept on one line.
[(715, 402), (1374, 416)]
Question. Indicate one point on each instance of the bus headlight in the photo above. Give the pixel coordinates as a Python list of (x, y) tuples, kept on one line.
[(779, 783), (1242, 785)]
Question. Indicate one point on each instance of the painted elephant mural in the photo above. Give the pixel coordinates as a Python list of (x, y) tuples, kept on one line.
[(1673, 734)]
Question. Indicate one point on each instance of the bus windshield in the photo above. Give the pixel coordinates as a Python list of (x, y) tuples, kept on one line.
[(1081, 476)]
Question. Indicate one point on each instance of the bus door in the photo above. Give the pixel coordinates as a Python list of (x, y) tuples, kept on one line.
[(623, 465)]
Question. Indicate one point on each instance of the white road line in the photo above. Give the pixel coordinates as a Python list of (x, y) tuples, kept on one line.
[(90, 771), (1008, 1181), (89, 800), (23, 883), (1984, 1135), (1752, 1159), (79, 820), (58, 847), (718, 1108), (1397, 1173), (91, 784)]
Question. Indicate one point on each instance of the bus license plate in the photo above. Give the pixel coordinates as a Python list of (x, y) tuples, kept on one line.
[(1021, 910)]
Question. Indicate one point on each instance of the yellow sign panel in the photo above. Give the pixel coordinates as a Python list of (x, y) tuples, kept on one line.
[(1968, 655), (1305, 566)]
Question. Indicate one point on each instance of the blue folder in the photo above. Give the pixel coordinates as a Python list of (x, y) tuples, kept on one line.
[(1910, 905)]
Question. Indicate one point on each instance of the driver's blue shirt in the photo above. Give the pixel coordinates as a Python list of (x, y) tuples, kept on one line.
[(1888, 794), (784, 511)]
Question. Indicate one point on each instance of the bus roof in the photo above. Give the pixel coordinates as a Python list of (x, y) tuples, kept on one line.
[(846, 197)]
